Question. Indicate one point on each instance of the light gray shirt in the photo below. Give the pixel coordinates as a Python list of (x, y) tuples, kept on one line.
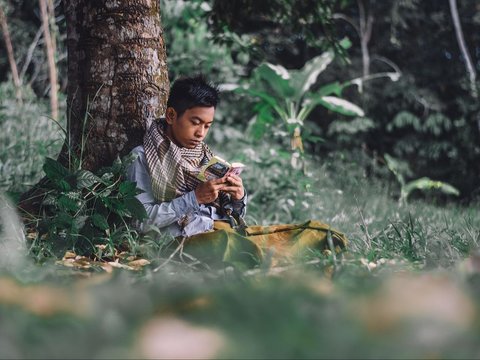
[(183, 216)]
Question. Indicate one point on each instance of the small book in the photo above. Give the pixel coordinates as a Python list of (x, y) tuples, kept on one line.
[(218, 167)]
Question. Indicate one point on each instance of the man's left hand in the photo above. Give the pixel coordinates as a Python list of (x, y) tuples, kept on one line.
[(234, 187)]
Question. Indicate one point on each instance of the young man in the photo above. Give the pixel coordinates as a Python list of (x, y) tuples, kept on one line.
[(170, 158), (176, 201)]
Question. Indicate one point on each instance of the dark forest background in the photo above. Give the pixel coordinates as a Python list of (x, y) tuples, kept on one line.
[(427, 121)]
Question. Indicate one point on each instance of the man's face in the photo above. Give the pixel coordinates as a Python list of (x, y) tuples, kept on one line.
[(190, 128)]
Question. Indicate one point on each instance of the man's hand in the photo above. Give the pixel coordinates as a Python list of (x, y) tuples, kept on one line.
[(208, 191), (234, 186)]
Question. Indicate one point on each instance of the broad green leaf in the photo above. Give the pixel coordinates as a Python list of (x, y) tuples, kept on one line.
[(54, 170), (85, 179), (136, 208), (100, 221), (118, 206), (426, 183), (107, 177), (304, 78), (264, 96), (63, 185), (280, 71), (127, 188), (277, 78), (332, 88), (341, 106), (68, 204), (63, 220)]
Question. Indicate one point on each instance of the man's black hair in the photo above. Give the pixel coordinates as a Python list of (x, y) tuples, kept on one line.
[(189, 92)]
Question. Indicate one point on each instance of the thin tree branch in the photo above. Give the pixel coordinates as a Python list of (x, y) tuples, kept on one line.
[(31, 49), (11, 55), (51, 59), (463, 47)]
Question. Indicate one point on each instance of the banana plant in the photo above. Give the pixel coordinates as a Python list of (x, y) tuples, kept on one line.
[(286, 95), (423, 184)]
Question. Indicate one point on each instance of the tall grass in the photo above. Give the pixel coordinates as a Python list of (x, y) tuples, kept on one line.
[(335, 190)]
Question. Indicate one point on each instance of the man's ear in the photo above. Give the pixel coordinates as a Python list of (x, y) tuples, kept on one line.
[(170, 115)]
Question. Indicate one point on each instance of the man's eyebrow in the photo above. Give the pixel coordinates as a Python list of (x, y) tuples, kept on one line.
[(200, 119)]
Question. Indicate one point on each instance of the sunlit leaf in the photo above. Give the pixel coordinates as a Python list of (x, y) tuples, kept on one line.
[(277, 79), (341, 106), (426, 183), (304, 78)]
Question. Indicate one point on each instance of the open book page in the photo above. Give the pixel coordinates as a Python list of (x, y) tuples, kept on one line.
[(218, 167)]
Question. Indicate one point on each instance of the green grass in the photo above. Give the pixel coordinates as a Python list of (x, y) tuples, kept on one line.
[(407, 287)]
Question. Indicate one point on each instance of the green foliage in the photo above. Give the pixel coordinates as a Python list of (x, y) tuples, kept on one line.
[(186, 32), (285, 95), (86, 212), (27, 136), (424, 184)]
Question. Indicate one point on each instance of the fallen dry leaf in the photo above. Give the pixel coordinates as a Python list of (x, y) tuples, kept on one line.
[(118, 265), (139, 263), (69, 255)]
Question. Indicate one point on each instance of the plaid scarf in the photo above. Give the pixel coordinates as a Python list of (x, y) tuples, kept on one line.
[(174, 169)]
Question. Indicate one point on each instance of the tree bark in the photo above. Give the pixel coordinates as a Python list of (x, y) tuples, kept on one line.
[(11, 55), (117, 82), (117, 77), (50, 50)]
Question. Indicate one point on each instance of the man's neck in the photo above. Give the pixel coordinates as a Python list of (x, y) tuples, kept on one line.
[(169, 133)]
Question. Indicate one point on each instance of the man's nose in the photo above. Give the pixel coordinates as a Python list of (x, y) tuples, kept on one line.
[(200, 133)]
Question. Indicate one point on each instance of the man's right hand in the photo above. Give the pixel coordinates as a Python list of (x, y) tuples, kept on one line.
[(208, 191)]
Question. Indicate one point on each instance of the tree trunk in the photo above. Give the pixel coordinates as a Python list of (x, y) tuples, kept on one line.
[(117, 81), (117, 74), (50, 49), (10, 54)]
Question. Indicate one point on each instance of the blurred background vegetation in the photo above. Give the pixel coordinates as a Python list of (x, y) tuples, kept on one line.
[(393, 160), (428, 119)]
